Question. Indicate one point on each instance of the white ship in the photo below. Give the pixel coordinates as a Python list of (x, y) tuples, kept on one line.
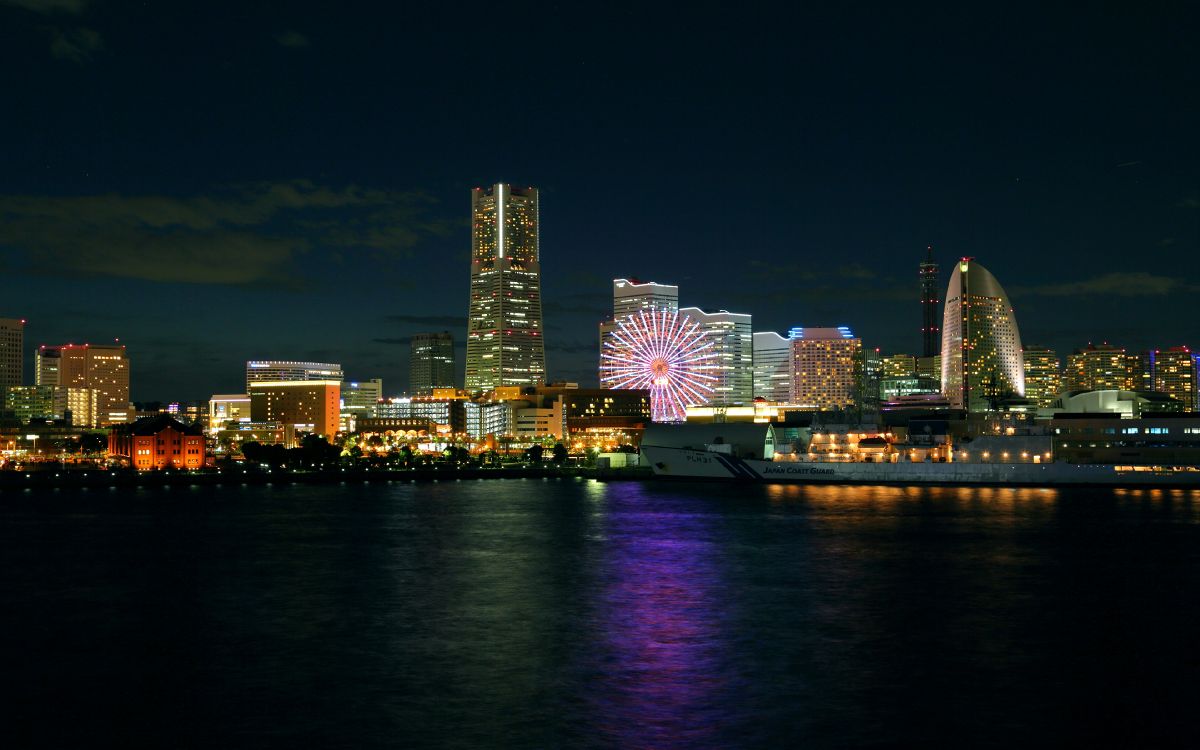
[(746, 452)]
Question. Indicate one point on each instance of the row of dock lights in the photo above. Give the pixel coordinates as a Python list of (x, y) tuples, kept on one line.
[(1037, 458)]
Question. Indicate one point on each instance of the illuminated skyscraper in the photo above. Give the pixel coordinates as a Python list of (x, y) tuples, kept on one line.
[(981, 345), (104, 368), (431, 363), (12, 352), (1043, 375), (630, 296), (826, 367), (733, 343), (931, 333), (772, 367), (504, 321), (1175, 375)]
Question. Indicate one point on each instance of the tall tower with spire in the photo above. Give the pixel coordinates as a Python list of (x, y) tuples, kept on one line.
[(504, 319), (931, 333)]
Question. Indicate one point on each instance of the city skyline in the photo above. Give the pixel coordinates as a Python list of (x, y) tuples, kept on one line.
[(1053, 160)]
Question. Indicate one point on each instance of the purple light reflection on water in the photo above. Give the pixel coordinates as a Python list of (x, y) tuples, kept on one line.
[(663, 675)]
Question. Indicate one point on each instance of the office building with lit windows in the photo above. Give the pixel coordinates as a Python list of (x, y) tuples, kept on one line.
[(307, 405), (1099, 367), (504, 317), (272, 370), (1043, 375), (12, 352), (826, 368), (430, 363), (733, 345), (76, 406), (981, 345), (899, 366), (103, 368), (1175, 375), (772, 367)]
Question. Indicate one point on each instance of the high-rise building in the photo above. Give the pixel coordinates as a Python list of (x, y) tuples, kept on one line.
[(733, 345), (101, 367), (1043, 375), (899, 366), (1100, 367), (981, 345), (931, 332), (772, 367), (12, 352), (307, 405), (504, 321), (930, 367), (271, 370), (1175, 375), (361, 397), (631, 296), (1139, 371), (430, 363), (826, 368)]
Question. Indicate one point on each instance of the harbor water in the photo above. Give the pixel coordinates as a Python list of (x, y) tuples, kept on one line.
[(576, 613)]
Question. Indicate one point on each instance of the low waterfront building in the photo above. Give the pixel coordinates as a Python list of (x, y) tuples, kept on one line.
[(892, 388), (160, 442), (1126, 404), (225, 408), (1163, 440)]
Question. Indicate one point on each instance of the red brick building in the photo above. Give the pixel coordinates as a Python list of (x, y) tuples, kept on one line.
[(158, 443)]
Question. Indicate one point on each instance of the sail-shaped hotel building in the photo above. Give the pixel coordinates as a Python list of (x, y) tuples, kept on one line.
[(981, 345)]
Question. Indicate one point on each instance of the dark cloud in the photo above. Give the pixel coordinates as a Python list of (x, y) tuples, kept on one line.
[(1136, 284), (587, 303), (247, 235), (291, 38), (76, 45), (1191, 201), (573, 348), (446, 321), (48, 6), (402, 341)]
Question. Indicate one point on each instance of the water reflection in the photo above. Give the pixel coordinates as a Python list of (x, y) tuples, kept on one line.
[(662, 671)]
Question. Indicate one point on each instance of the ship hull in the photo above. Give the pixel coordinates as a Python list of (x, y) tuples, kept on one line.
[(682, 463)]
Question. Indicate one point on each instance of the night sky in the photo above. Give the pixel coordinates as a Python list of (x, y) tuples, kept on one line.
[(217, 182)]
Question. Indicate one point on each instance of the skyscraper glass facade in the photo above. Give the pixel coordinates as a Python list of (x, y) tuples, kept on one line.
[(504, 321), (431, 363)]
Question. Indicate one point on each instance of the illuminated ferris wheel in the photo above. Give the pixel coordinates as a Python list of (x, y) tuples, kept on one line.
[(667, 354)]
